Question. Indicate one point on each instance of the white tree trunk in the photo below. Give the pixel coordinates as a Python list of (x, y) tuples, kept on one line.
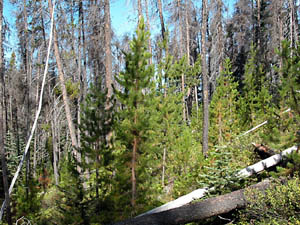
[(199, 193), (36, 117)]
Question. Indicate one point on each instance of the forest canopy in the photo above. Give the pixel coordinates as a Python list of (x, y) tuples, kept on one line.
[(97, 128)]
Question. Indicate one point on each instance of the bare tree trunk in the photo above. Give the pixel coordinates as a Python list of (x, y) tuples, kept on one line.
[(37, 103), (64, 93), (108, 60), (220, 36), (258, 24), (296, 21), (181, 55), (3, 159), (54, 142), (2, 131), (133, 169), (205, 97), (196, 100), (148, 28), (28, 88), (161, 17), (82, 46), (293, 25), (280, 33), (187, 30)]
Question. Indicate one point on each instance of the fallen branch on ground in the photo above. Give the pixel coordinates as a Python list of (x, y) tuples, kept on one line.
[(199, 210), (199, 193)]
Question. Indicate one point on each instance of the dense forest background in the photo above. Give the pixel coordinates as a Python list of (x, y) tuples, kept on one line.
[(128, 123)]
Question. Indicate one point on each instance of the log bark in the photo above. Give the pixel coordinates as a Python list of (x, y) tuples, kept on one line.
[(199, 193), (266, 163), (199, 210)]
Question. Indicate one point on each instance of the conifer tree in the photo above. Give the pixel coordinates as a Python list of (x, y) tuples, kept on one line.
[(290, 76), (171, 136), (282, 125), (255, 103), (96, 124), (224, 107), (136, 82)]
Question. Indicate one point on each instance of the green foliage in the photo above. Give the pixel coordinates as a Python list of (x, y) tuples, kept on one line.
[(223, 108), (50, 203), (290, 167), (290, 76), (71, 204), (277, 205), (96, 126), (72, 88), (283, 125), (27, 200), (255, 104), (96, 151), (133, 122), (220, 173), (11, 150)]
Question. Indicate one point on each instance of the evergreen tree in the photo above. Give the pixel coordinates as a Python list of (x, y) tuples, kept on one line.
[(96, 125), (223, 108), (290, 77), (255, 104), (135, 94), (171, 135), (72, 203), (283, 125)]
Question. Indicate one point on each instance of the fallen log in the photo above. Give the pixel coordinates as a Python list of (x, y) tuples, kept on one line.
[(266, 163), (199, 193), (198, 211)]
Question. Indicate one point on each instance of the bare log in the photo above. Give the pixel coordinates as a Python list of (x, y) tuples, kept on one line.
[(266, 163), (199, 210), (199, 193)]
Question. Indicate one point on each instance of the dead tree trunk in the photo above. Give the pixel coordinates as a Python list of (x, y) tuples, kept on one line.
[(64, 93), (205, 96), (108, 57), (161, 17), (2, 130), (199, 210)]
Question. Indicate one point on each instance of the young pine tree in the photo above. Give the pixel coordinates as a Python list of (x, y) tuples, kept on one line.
[(96, 126), (255, 104), (134, 118), (223, 108), (284, 124)]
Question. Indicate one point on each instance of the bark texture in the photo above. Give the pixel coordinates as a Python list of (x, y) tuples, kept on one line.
[(161, 18), (2, 130), (64, 91), (198, 211), (205, 96), (108, 60)]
